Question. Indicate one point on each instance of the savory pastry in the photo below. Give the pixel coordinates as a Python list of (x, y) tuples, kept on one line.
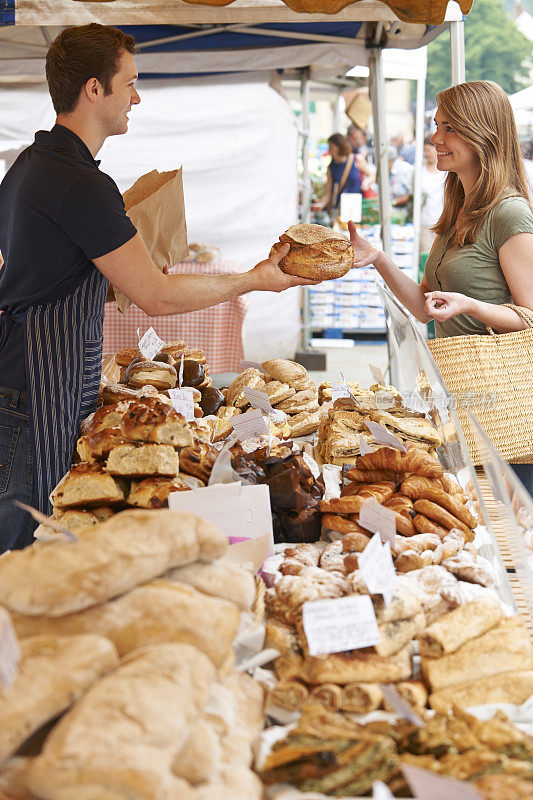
[(317, 252), (453, 630), (285, 371), (291, 695), (250, 378), (303, 424), (156, 373), (88, 485), (328, 694), (129, 460), (361, 698), (506, 687), (125, 356)]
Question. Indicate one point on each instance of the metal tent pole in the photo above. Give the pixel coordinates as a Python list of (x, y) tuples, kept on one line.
[(419, 158), (457, 51)]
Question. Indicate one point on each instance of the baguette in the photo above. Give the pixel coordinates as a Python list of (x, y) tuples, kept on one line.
[(107, 560)]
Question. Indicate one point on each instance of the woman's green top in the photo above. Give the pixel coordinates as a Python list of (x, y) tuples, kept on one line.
[(474, 269)]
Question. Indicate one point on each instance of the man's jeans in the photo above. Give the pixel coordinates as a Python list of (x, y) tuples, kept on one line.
[(16, 474)]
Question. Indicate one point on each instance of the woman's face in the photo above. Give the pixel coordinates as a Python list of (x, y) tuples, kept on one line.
[(453, 152)]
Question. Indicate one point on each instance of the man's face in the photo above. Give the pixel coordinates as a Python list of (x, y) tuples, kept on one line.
[(116, 105)]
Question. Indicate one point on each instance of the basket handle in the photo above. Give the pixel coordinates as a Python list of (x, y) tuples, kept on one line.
[(524, 314)]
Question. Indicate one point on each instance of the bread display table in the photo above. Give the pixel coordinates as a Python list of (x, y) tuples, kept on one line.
[(217, 330)]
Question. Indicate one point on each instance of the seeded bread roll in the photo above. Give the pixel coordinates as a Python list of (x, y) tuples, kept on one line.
[(158, 423), (156, 373), (317, 252)]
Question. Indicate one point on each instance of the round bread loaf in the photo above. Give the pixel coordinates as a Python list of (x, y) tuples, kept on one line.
[(317, 253), (155, 373)]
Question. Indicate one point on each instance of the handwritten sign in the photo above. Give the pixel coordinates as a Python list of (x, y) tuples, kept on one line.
[(335, 626), (339, 390), (252, 423), (364, 447), (378, 519), (183, 402), (150, 344), (383, 436), (377, 569), (258, 399)]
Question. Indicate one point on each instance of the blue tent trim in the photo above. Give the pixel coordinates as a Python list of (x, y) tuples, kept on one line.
[(235, 40), (7, 12)]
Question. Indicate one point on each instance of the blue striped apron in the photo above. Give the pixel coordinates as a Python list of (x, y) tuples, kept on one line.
[(63, 349)]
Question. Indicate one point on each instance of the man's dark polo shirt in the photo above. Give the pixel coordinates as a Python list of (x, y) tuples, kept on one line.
[(57, 213)]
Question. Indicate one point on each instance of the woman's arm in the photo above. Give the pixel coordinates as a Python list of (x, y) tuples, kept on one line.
[(516, 261), (406, 290)]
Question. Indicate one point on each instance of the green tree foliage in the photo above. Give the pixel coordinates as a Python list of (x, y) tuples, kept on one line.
[(495, 50)]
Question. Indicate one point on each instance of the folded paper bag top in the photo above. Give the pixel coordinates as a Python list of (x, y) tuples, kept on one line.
[(156, 207)]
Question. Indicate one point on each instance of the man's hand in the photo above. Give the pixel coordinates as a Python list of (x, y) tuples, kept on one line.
[(268, 277), (444, 305), (365, 254)]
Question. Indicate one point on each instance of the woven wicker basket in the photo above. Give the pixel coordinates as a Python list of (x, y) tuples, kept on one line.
[(493, 377)]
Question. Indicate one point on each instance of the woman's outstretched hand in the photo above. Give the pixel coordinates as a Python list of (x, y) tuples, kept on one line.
[(444, 305), (365, 254)]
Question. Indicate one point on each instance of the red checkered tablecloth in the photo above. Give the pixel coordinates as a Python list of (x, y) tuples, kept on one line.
[(217, 330)]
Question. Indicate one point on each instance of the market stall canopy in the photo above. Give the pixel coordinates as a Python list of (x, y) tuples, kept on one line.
[(115, 12), (328, 48)]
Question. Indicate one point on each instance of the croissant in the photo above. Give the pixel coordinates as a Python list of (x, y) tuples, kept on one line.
[(424, 525), (400, 504), (382, 490), (373, 475), (442, 517), (420, 463), (404, 525), (382, 458), (451, 486), (350, 504), (355, 542), (451, 504), (414, 484)]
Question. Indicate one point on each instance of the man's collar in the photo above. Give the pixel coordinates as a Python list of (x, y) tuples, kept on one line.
[(79, 144)]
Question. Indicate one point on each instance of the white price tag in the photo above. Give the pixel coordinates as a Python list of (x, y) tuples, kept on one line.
[(252, 423), (150, 344), (377, 569), (364, 447), (183, 402), (180, 373), (9, 651), (339, 390), (311, 463), (384, 400), (378, 519), (377, 374), (425, 785), (258, 399), (335, 626), (383, 436), (380, 791), (241, 512), (251, 365), (401, 706)]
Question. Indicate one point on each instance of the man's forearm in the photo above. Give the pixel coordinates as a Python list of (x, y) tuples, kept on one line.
[(182, 293), (406, 290)]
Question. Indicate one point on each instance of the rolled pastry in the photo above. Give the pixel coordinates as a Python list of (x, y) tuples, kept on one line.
[(508, 687), (395, 635), (361, 698), (290, 695), (329, 694), (453, 630), (357, 666), (503, 649), (414, 692)]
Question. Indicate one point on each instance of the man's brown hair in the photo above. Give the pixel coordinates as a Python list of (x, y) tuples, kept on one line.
[(81, 53)]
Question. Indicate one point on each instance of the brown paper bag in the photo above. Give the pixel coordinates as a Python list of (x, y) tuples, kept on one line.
[(156, 207)]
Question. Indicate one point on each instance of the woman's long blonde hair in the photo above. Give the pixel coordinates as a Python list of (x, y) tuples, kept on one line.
[(480, 113)]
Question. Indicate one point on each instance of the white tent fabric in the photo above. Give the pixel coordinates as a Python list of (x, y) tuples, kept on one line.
[(156, 12), (237, 140)]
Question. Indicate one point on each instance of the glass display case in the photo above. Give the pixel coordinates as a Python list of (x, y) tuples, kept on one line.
[(423, 389)]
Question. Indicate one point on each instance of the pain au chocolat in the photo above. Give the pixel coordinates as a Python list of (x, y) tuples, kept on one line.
[(317, 253)]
